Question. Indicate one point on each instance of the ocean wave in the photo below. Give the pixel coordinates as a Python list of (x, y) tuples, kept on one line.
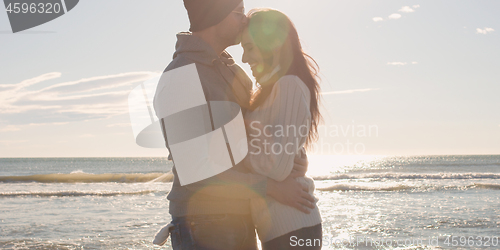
[(80, 177), (88, 242), (364, 187), (401, 187), (410, 176), (74, 193), (487, 186), (33, 244)]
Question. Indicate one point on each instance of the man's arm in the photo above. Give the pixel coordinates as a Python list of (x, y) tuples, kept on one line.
[(233, 184)]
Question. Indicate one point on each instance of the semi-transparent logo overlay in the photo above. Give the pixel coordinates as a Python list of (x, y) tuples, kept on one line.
[(26, 14), (205, 138)]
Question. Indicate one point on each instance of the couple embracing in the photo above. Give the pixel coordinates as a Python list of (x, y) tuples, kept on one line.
[(267, 190)]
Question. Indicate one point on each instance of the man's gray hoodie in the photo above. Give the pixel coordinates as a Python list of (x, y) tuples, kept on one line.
[(221, 80)]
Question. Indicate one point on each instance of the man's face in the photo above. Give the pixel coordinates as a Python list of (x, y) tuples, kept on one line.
[(231, 28)]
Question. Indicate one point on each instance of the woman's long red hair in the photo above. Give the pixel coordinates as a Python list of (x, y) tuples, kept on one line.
[(270, 28)]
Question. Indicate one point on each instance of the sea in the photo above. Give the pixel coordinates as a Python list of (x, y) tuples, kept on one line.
[(366, 202)]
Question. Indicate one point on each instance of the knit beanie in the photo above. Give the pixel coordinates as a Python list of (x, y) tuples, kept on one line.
[(207, 13)]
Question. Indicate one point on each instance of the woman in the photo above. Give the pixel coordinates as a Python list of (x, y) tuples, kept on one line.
[(282, 120)]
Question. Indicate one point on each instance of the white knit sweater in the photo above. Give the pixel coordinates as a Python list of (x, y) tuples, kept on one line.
[(277, 131)]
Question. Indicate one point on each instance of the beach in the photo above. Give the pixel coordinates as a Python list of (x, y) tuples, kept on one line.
[(366, 202)]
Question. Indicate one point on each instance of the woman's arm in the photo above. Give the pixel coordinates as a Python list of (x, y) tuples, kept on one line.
[(280, 130)]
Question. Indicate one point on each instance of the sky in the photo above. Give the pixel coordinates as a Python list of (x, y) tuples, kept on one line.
[(398, 77)]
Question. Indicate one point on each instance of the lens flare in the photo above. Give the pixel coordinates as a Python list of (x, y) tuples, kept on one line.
[(269, 29)]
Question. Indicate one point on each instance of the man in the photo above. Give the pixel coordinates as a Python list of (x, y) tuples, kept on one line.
[(214, 213)]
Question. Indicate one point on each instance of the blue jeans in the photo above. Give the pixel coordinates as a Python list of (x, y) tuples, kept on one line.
[(213, 232)]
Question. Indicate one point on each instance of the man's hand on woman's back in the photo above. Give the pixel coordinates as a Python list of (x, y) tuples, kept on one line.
[(291, 193)]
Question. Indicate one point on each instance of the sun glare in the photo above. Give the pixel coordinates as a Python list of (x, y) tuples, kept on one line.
[(321, 165)]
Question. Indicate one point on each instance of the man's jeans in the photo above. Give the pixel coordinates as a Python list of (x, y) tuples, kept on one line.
[(213, 232)]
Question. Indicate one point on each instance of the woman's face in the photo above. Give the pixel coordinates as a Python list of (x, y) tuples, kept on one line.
[(252, 55)]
